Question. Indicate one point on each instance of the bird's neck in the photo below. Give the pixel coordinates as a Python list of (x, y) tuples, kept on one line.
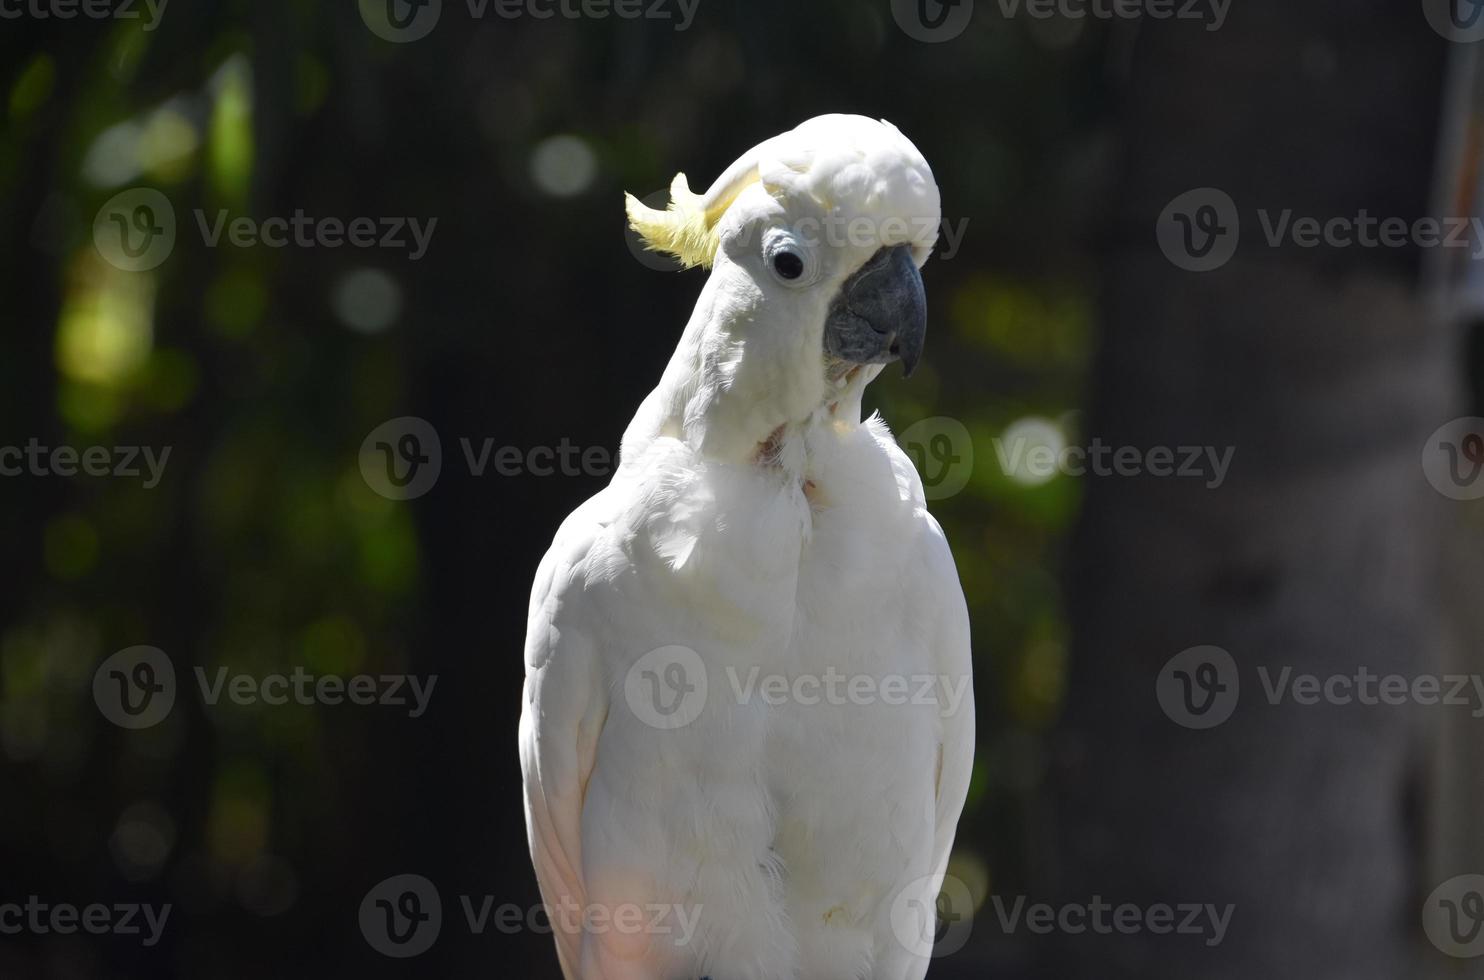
[(731, 399)]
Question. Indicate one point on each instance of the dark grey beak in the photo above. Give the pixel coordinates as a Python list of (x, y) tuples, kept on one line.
[(880, 315)]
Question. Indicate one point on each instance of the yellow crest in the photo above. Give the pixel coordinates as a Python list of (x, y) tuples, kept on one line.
[(688, 229)]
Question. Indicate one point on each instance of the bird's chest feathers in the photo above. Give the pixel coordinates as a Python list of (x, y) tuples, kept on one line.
[(792, 534)]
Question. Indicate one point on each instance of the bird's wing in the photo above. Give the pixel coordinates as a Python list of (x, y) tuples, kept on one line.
[(955, 666), (937, 581), (956, 747), (565, 707)]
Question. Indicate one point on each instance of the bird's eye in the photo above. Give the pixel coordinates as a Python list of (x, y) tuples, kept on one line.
[(788, 265)]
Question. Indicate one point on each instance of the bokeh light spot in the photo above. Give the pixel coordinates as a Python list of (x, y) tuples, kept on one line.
[(563, 166)]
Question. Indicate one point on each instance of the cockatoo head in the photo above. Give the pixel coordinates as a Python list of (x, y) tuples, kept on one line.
[(814, 239)]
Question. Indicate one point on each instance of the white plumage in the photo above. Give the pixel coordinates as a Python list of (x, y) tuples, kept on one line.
[(755, 822)]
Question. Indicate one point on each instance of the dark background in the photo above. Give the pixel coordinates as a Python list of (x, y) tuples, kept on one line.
[(1056, 143)]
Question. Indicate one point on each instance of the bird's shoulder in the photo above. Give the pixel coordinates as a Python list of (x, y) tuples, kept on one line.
[(902, 487), (925, 543), (564, 566)]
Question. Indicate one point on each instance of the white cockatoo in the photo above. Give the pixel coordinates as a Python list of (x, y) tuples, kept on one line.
[(748, 725)]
